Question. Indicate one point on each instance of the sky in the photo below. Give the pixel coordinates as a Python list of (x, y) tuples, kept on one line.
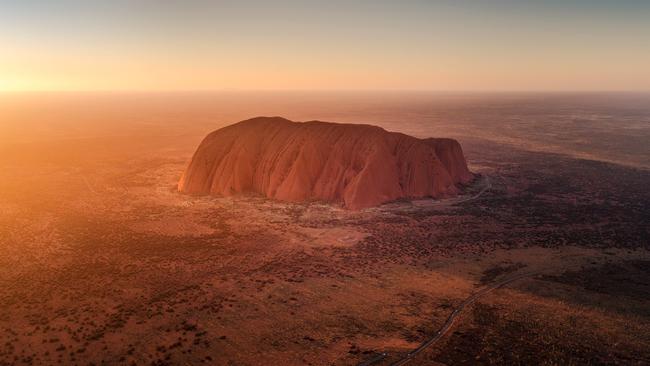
[(165, 45)]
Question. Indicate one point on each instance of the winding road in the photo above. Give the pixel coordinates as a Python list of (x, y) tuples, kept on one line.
[(487, 184), (449, 323), (483, 181)]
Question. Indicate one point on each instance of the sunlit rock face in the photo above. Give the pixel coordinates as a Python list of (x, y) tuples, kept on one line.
[(358, 166)]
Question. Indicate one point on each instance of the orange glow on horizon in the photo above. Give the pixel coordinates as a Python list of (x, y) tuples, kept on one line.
[(379, 45)]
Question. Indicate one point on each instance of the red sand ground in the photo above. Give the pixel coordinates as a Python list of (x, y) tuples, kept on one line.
[(103, 262)]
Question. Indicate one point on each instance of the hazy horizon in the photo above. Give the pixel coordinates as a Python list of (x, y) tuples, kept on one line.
[(326, 91), (605, 126), (308, 45)]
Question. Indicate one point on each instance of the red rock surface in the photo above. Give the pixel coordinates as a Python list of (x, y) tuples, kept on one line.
[(357, 165)]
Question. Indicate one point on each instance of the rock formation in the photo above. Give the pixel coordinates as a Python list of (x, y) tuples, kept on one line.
[(357, 165)]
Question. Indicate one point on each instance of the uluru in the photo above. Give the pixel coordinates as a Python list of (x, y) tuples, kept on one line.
[(356, 165)]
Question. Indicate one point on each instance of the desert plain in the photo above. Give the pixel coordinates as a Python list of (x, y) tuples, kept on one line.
[(104, 262)]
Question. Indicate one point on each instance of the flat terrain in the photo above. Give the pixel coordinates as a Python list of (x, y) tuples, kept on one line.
[(103, 262)]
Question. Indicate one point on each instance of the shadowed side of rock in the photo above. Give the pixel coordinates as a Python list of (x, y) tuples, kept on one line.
[(357, 165)]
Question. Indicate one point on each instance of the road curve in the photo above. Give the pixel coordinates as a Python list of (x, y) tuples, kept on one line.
[(488, 185), (449, 323)]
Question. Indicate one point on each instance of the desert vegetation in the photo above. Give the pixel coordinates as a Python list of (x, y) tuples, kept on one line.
[(106, 263)]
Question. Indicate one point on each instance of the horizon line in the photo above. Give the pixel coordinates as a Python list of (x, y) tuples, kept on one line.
[(324, 90)]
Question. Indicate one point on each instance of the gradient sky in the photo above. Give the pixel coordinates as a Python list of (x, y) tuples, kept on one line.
[(328, 44)]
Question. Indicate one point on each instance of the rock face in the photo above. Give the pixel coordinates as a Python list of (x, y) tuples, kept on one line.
[(357, 165)]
